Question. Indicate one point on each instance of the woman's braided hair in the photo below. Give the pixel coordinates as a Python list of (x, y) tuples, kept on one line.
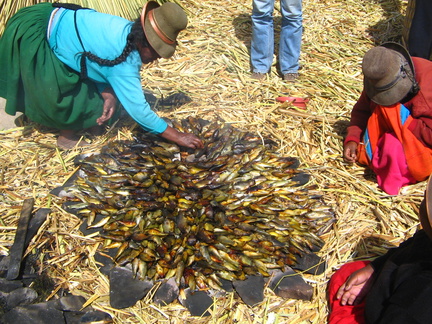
[(136, 36)]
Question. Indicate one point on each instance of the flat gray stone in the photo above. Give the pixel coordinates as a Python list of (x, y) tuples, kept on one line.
[(226, 285), (34, 314), (7, 286), (70, 303), (73, 317), (125, 291), (106, 261), (290, 284), (250, 290), (311, 263), (167, 293), (20, 297), (96, 317), (197, 302)]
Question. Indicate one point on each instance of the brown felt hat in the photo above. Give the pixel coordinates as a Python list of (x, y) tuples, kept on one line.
[(425, 213), (388, 73), (162, 24)]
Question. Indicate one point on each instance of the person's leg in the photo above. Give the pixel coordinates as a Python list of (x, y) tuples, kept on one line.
[(291, 36), (262, 45), (344, 314)]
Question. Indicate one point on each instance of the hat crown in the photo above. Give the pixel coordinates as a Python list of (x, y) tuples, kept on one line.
[(388, 75), (382, 66), (169, 20), (162, 24)]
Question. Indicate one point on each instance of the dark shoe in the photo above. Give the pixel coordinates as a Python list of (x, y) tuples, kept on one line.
[(258, 76), (290, 77)]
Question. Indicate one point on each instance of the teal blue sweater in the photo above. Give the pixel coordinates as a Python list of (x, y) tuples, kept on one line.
[(105, 36)]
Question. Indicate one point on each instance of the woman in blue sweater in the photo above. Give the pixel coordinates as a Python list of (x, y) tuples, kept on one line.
[(67, 67)]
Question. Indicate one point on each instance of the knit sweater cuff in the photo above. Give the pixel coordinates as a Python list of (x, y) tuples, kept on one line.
[(351, 138), (353, 134)]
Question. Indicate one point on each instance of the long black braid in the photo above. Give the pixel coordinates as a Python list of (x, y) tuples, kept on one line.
[(136, 36)]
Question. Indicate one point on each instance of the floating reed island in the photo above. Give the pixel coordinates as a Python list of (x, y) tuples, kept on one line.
[(211, 66)]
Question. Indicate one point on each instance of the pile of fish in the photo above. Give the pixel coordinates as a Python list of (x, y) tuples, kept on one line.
[(231, 209)]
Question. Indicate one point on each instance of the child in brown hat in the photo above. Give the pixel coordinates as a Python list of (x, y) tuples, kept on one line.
[(394, 288), (391, 124), (68, 67)]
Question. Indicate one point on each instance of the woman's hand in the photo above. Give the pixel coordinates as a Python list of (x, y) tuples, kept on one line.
[(356, 287), (350, 152), (110, 102), (182, 139)]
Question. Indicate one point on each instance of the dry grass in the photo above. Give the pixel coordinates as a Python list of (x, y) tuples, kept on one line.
[(212, 67)]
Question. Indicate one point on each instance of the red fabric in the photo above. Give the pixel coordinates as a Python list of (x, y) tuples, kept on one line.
[(390, 166), (420, 107), (345, 314), (387, 120)]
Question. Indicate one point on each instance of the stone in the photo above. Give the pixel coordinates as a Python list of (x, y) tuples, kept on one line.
[(250, 290), (35, 223), (7, 286), (125, 291), (70, 303), (68, 207), (4, 265), (105, 261), (73, 317), (310, 263), (19, 297), (197, 302), (86, 230), (301, 179), (62, 190), (290, 284), (226, 285), (34, 314), (167, 293), (96, 317)]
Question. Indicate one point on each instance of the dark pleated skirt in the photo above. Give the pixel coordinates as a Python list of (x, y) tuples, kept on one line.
[(35, 82), (417, 28)]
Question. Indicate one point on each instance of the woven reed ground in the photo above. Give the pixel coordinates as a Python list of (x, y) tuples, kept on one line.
[(212, 67)]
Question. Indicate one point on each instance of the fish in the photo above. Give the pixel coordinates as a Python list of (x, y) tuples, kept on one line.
[(235, 207)]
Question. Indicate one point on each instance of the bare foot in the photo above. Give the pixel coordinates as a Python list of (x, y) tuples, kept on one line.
[(68, 140)]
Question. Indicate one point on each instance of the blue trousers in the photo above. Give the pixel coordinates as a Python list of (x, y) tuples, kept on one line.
[(262, 46)]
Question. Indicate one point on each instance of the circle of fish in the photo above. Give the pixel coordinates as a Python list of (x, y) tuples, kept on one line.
[(232, 209)]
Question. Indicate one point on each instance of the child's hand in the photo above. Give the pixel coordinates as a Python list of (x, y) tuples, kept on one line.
[(350, 152), (356, 287)]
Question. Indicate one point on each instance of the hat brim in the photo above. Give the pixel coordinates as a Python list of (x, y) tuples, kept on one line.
[(399, 48), (391, 96), (163, 49), (399, 90)]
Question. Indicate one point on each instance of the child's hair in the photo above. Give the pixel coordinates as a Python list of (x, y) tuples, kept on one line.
[(136, 36)]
